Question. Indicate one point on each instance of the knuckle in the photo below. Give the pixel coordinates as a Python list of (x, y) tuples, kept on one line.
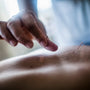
[(13, 21), (29, 20), (10, 23)]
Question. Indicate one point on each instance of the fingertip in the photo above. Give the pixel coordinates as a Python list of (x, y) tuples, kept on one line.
[(49, 46)]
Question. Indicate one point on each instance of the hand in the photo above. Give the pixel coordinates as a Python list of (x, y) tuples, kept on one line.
[(23, 28)]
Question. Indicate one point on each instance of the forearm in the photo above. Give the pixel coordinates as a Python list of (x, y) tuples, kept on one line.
[(28, 5)]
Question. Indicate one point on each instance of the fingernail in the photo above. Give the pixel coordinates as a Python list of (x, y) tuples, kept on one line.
[(13, 43), (29, 45)]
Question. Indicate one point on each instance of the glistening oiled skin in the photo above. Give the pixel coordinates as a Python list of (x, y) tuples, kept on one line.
[(68, 70)]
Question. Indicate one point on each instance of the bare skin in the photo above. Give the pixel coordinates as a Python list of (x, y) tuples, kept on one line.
[(68, 70), (23, 28)]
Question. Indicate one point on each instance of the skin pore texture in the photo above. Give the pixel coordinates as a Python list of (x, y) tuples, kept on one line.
[(65, 70)]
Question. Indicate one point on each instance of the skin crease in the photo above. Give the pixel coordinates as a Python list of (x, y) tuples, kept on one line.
[(67, 70)]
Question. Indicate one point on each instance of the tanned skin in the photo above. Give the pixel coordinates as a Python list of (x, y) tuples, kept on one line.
[(68, 70)]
